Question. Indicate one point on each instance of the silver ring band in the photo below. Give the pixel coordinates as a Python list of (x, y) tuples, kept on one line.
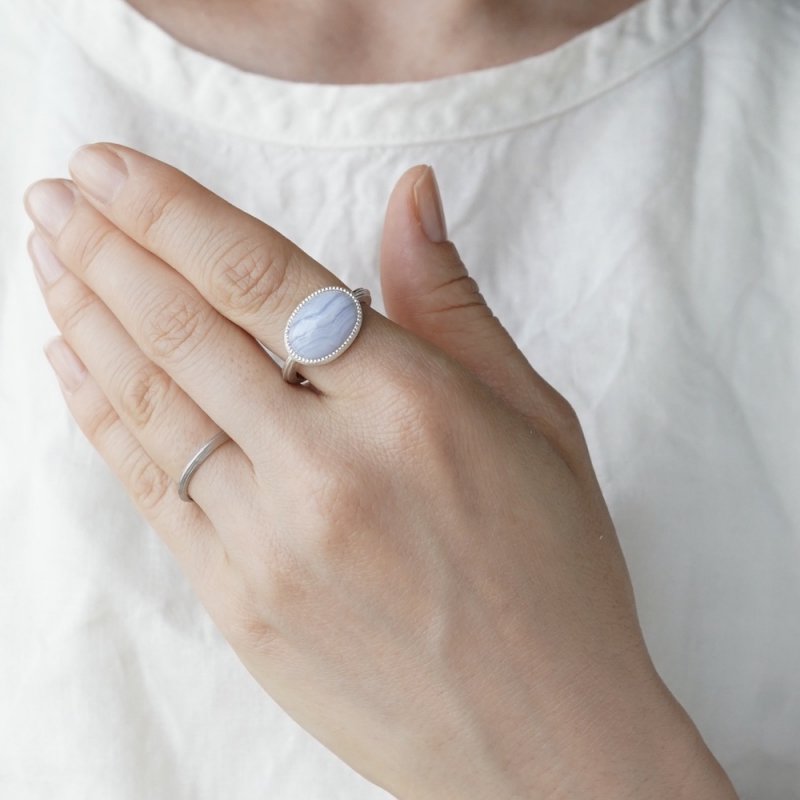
[(196, 460), (327, 330)]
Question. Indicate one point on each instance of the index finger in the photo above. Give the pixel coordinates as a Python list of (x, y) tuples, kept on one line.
[(247, 270)]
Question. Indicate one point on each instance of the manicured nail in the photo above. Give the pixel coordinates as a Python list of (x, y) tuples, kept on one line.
[(46, 266), (429, 206), (67, 366), (98, 170), (49, 203)]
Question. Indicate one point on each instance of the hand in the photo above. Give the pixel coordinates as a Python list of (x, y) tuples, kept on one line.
[(415, 558)]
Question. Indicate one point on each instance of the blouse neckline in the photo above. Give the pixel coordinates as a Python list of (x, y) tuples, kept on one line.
[(146, 59)]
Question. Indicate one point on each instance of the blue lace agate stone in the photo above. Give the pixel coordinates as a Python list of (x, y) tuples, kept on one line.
[(324, 323)]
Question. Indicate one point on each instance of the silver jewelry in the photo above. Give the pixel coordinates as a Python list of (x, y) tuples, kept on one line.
[(196, 460), (322, 327)]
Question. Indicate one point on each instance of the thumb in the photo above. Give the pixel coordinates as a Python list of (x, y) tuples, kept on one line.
[(427, 289)]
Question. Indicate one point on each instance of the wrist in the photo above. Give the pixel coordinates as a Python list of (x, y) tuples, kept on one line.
[(625, 743), (649, 749)]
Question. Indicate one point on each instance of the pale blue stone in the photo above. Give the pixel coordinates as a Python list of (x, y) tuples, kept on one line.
[(322, 324)]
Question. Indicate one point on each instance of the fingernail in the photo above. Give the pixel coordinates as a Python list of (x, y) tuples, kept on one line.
[(46, 266), (98, 170), (67, 366), (49, 203), (429, 206)]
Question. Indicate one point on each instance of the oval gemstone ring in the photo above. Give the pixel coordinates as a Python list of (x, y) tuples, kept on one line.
[(322, 327)]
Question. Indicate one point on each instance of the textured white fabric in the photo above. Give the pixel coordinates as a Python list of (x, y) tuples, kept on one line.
[(629, 204)]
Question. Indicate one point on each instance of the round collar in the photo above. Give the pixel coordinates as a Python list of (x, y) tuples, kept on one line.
[(142, 56)]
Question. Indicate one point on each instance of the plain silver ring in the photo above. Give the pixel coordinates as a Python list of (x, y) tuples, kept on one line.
[(196, 460)]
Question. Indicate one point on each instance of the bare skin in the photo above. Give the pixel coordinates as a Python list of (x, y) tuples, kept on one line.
[(374, 41)]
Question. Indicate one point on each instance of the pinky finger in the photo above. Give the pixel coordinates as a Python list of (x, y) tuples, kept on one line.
[(183, 526)]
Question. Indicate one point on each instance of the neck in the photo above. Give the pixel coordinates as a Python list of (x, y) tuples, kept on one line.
[(374, 41)]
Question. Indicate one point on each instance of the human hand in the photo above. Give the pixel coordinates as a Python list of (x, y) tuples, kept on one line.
[(414, 559)]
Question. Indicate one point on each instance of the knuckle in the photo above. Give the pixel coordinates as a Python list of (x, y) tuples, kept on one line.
[(423, 424), (248, 627), (333, 513), (143, 394), (253, 613), (175, 324), (101, 423), (426, 429), (155, 210), (250, 276), (416, 410), (72, 313), (94, 245), (334, 496), (285, 585), (147, 483), (455, 295), (254, 634)]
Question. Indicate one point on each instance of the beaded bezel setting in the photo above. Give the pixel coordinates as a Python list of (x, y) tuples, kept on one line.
[(340, 329)]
